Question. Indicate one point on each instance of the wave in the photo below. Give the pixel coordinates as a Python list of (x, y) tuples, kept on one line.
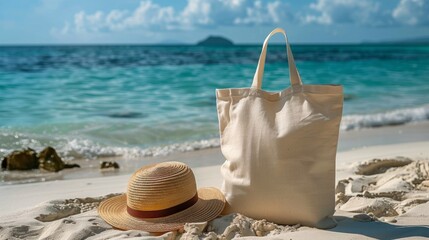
[(37, 58), (390, 118), (83, 148), (77, 149), (72, 149), (86, 149)]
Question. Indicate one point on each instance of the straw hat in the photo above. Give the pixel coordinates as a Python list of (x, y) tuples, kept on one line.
[(162, 197)]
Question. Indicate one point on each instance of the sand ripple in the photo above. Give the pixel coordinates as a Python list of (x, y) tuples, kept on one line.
[(382, 190)]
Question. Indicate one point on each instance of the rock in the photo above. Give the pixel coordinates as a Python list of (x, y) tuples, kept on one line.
[(340, 199), (377, 166), (27, 159), (262, 227), (363, 217), (105, 165), (21, 160), (358, 185), (425, 184), (380, 207), (367, 194), (341, 186), (50, 161), (193, 230), (4, 163), (393, 185), (74, 165), (410, 203)]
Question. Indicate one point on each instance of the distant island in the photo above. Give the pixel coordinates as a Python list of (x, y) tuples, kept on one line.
[(215, 41)]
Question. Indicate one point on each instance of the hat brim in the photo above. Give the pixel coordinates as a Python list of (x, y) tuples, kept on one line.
[(209, 205)]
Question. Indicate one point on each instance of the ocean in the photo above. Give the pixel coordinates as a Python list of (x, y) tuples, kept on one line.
[(138, 100)]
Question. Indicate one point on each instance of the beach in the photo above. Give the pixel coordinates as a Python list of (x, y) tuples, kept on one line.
[(94, 96), (142, 104), (394, 204)]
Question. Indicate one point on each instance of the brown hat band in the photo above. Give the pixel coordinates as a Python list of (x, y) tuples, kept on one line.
[(163, 212)]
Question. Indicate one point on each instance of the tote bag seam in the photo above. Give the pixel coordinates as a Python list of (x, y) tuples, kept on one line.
[(247, 94)]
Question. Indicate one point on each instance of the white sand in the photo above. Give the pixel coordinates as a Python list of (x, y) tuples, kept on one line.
[(376, 199)]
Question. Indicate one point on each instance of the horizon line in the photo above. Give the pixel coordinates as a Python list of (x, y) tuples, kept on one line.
[(195, 44)]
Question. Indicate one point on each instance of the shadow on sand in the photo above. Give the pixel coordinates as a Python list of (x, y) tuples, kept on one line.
[(379, 230)]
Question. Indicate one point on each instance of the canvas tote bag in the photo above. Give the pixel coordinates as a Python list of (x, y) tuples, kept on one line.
[(280, 148)]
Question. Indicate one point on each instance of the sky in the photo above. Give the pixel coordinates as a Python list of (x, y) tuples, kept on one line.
[(188, 21)]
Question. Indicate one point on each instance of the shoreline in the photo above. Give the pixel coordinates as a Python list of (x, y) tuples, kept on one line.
[(81, 140), (207, 173), (348, 140)]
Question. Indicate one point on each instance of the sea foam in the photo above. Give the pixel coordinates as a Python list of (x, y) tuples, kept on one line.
[(388, 118), (77, 149), (88, 149), (82, 148)]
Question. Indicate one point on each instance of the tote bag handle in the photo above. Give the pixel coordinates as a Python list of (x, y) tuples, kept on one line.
[(295, 79)]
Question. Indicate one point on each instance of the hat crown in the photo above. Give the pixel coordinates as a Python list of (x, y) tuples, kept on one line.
[(160, 186)]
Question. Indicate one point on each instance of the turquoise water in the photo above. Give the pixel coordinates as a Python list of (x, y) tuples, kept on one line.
[(90, 101)]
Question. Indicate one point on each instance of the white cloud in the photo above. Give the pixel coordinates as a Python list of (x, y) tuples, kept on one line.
[(412, 12), (368, 13), (148, 15), (258, 13), (197, 13), (362, 12), (114, 19), (152, 17)]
